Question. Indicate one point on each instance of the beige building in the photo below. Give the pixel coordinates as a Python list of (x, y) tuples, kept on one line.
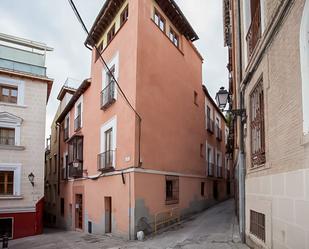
[(53, 174), (269, 72), (24, 90)]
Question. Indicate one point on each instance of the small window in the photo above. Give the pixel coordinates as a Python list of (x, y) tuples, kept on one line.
[(202, 188), (6, 182), (7, 136), (257, 224), (174, 37), (62, 207), (195, 98), (6, 227), (124, 15), (111, 34), (172, 190), (159, 20), (8, 94)]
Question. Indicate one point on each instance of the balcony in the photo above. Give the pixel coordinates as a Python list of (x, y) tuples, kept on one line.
[(106, 161), (78, 123), (22, 67), (210, 125), (66, 133), (21, 60), (254, 32), (108, 96), (210, 169), (75, 170), (218, 133)]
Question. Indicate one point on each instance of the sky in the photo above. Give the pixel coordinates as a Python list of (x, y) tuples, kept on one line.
[(54, 23)]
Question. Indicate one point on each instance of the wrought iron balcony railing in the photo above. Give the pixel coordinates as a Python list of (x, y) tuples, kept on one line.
[(108, 96), (78, 123), (75, 171), (106, 160)]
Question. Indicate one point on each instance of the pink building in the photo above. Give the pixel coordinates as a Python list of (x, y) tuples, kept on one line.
[(120, 171)]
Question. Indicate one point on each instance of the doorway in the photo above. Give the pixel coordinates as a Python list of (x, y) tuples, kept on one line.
[(108, 214), (79, 211)]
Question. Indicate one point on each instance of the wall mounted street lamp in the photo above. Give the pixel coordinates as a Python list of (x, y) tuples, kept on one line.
[(31, 179), (222, 98)]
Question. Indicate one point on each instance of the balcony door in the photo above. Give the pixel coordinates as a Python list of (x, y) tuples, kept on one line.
[(109, 148), (79, 211)]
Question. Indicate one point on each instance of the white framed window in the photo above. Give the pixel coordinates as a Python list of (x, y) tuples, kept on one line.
[(304, 59), (16, 90), (113, 65), (15, 170), (10, 129), (108, 141)]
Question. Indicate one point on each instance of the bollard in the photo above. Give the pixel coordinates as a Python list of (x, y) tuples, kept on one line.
[(5, 241)]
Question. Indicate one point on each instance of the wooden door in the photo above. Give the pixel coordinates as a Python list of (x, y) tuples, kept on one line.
[(108, 214), (79, 211)]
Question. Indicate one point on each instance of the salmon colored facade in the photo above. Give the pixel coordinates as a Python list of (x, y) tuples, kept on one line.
[(121, 171)]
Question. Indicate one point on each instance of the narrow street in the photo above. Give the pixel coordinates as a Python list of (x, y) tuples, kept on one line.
[(214, 228)]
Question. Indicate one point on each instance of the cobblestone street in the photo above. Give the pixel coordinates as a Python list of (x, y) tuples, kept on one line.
[(214, 228)]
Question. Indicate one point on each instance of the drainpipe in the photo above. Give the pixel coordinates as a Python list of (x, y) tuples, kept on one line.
[(241, 158)]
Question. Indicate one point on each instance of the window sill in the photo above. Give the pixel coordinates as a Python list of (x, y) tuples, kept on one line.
[(11, 147), (11, 197), (12, 105)]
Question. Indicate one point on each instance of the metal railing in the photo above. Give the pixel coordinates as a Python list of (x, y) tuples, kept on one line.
[(22, 67), (210, 169), (7, 141), (106, 160), (108, 96), (210, 125), (254, 32), (77, 123), (75, 172), (166, 217)]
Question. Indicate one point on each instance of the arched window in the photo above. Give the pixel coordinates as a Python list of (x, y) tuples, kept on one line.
[(304, 59)]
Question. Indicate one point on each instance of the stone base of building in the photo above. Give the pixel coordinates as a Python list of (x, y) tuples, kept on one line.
[(21, 224)]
